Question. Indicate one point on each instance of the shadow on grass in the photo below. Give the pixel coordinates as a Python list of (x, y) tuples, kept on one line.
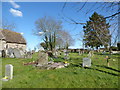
[(80, 65), (103, 54), (108, 68), (76, 65), (103, 71), (108, 54)]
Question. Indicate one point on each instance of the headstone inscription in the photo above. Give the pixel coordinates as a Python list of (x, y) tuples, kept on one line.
[(9, 71), (86, 62)]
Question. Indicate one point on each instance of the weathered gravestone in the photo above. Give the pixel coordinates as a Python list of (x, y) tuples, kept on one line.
[(29, 55), (17, 53), (22, 53), (66, 54), (8, 72), (90, 54), (10, 53), (43, 58), (86, 62), (14, 52)]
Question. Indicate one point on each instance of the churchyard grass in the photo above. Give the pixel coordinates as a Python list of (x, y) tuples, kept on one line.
[(74, 76)]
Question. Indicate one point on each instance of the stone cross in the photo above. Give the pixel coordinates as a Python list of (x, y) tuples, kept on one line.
[(9, 71), (86, 62)]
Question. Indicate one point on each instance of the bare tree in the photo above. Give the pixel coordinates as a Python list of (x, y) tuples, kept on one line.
[(48, 28), (65, 39)]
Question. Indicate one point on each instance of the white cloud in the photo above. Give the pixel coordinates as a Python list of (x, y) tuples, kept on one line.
[(16, 12), (14, 4)]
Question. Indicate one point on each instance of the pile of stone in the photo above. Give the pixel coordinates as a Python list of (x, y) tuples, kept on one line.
[(53, 65), (43, 63)]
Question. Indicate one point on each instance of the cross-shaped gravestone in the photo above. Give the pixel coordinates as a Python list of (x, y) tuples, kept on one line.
[(9, 71), (86, 62)]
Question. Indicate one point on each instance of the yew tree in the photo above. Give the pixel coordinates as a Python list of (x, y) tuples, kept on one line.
[(96, 32)]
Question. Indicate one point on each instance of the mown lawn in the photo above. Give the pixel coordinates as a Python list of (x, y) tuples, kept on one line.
[(74, 76)]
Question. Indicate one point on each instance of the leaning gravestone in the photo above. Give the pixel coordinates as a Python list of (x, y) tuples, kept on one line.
[(10, 52), (43, 58), (17, 53), (9, 71), (22, 53), (86, 62)]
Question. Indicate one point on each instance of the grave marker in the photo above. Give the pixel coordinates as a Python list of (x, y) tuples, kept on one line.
[(17, 53), (43, 58), (10, 53), (86, 62), (9, 71)]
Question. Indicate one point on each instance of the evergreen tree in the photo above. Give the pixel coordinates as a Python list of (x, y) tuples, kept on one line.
[(96, 32)]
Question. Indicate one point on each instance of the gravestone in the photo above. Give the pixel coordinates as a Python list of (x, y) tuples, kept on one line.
[(66, 55), (79, 52), (17, 53), (9, 71), (22, 53), (86, 62), (89, 54), (29, 55), (10, 53), (103, 52), (55, 53), (42, 58), (65, 52)]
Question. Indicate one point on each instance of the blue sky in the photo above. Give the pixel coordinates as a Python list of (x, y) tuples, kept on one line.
[(29, 12)]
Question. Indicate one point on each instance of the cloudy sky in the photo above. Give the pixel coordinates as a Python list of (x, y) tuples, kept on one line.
[(24, 15)]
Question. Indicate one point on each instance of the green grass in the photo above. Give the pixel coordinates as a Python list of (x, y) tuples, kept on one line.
[(74, 76)]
